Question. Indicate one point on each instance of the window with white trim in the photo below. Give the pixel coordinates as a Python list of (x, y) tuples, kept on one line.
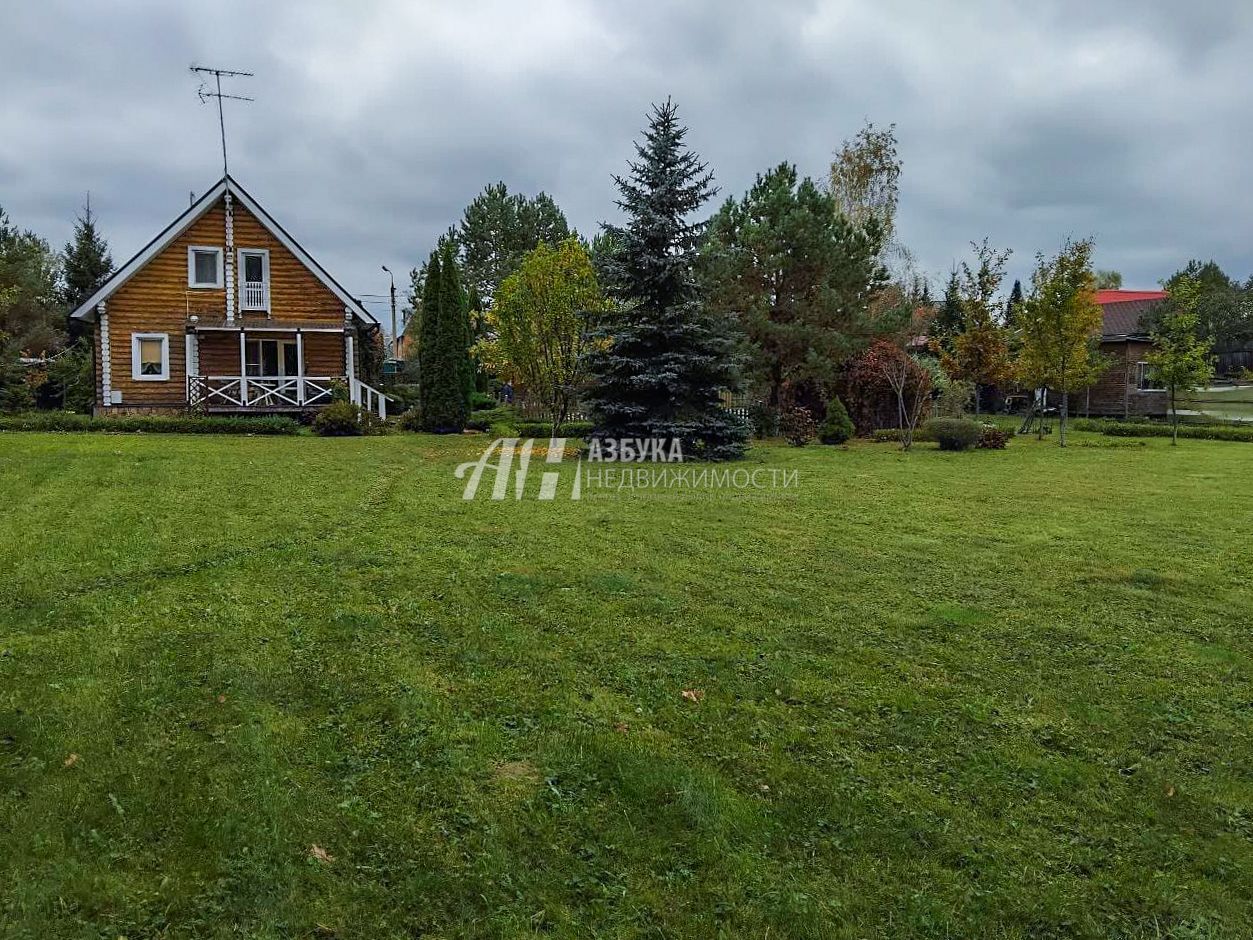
[(150, 357), (1146, 380), (204, 266)]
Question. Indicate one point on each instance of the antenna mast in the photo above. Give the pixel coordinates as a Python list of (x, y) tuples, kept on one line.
[(205, 94)]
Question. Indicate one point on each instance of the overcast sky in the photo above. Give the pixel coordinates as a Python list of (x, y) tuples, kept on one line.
[(376, 122)]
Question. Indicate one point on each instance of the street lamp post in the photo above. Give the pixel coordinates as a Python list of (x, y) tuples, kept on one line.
[(395, 338)]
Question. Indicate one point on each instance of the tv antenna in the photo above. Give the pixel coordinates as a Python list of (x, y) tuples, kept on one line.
[(205, 94)]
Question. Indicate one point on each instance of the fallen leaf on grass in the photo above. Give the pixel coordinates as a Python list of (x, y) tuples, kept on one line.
[(323, 856), (1170, 791), (621, 727), (71, 760), (693, 695)]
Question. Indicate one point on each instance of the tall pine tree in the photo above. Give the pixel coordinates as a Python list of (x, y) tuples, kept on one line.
[(665, 357), (950, 320), (87, 262)]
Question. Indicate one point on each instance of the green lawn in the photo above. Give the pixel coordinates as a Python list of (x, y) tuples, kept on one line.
[(981, 694)]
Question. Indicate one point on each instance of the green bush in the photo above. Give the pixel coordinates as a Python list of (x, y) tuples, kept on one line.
[(149, 424), (838, 426), (340, 419), (763, 419), (483, 420), (405, 395), (481, 401), (544, 428), (992, 438), (411, 420), (502, 429), (893, 435), (954, 433), (797, 426)]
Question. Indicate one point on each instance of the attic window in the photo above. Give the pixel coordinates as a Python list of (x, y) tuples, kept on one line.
[(204, 266)]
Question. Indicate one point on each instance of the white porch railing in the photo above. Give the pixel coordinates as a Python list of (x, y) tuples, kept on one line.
[(260, 391), (371, 399)]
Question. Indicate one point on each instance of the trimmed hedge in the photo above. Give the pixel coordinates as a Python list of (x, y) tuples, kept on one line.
[(1200, 432), (149, 424), (544, 428)]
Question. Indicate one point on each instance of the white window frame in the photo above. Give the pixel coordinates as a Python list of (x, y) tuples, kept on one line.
[(1142, 371), (264, 254), (191, 267), (137, 365), (281, 345)]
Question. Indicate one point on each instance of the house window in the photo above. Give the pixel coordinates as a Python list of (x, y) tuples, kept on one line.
[(1146, 380), (254, 280), (270, 358), (204, 266), (150, 357)]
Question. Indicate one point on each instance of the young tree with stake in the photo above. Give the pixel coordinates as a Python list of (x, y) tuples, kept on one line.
[(1180, 358), (1060, 327)]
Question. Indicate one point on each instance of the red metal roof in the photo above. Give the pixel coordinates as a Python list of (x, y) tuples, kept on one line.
[(1122, 296)]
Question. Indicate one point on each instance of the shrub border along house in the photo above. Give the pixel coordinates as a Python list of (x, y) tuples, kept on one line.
[(150, 424)]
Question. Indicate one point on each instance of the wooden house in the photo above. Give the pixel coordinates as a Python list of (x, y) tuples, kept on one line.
[(225, 312), (1127, 388)]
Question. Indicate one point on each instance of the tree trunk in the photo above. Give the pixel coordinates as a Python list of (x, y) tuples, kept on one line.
[(977, 396), (1174, 419), (1061, 424), (1040, 399)]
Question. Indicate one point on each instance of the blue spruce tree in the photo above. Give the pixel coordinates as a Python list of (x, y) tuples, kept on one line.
[(665, 357)]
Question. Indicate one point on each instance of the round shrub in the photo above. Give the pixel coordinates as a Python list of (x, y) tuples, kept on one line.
[(411, 420), (339, 419), (954, 433), (838, 426), (798, 426)]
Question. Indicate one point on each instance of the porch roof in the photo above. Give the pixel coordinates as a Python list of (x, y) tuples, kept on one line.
[(202, 325)]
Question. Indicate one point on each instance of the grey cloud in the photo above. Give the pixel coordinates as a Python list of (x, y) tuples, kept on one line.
[(376, 122)]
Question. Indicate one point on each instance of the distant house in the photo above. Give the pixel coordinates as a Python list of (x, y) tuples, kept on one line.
[(225, 312), (1127, 388)]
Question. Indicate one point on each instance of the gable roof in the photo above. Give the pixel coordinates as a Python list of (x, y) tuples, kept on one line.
[(1124, 311), (87, 309)]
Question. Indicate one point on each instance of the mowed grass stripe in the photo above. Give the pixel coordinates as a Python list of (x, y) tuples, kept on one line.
[(989, 693)]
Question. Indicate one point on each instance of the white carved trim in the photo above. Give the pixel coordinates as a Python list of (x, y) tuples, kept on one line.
[(230, 257), (106, 367)]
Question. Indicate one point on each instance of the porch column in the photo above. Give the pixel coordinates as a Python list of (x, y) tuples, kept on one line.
[(243, 368), (300, 367), (350, 361)]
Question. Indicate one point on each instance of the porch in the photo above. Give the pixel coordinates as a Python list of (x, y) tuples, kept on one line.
[(269, 367)]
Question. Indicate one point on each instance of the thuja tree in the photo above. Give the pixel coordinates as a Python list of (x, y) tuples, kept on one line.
[(664, 357), (443, 349)]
